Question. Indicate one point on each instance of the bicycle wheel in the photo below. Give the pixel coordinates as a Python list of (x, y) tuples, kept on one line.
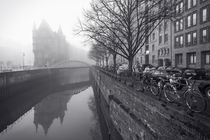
[(170, 92), (195, 101), (145, 83), (154, 89)]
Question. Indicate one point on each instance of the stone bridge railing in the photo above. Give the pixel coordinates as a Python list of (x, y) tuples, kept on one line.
[(137, 115)]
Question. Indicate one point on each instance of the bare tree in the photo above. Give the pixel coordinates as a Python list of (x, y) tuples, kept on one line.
[(99, 54), (125, 24)]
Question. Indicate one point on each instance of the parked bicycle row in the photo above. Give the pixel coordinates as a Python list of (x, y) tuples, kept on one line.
[(189, 86)]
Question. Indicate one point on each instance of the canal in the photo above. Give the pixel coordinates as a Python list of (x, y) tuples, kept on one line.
[(61, 115), (60, 106)]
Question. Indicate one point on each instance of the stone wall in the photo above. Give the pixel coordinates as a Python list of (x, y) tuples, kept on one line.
[(140, 116), (13, 82)]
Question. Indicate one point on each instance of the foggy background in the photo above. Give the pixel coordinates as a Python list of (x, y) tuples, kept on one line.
[(19, 16)]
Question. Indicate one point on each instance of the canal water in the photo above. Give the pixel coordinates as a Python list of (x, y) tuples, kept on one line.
[(63, 115)]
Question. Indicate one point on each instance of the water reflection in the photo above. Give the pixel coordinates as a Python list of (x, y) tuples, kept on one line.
[(95, 131), (52, 107), (60, 116)]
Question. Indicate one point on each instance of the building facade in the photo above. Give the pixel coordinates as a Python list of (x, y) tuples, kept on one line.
[(49, 47), (157, 50), (191, 34), (183, 42)]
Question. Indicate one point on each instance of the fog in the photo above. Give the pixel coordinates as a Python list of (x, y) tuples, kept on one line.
[(19, 16)]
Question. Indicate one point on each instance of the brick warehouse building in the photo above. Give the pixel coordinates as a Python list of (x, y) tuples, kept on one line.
[(184, 42), (49, 47)]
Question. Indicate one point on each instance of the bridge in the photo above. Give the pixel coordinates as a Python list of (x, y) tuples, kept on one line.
[(15, 80), (70, 64)]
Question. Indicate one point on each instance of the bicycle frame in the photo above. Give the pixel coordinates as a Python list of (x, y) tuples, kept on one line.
[(190, 86)]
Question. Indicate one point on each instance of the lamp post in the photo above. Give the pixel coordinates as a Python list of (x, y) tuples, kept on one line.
[(23, 60)]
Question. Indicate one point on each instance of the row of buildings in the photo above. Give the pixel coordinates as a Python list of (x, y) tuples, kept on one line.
[(183, 42), (49, 47)]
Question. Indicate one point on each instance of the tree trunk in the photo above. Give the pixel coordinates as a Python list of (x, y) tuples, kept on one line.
[(100, 63), (106, 62), (114, 61), (103, 62), (130, 65)]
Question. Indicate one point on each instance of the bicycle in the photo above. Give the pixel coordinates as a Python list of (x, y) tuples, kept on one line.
[(151, 83), (183, 88)]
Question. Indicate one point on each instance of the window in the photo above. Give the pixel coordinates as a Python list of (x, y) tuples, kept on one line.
[(188, 4), (179, 7), (191, 20), (205, 35), (188, 21), (178, 59), (167, 52), (179, 41), (153, 59), (147, 48), (191, 58), (194, 3), (153, 47), (206, 55), (194, 19), (191, 3), (153, 35), (204, 14), (194, 38), (191, 38), (161, 52), (166, 25), (166, 38), (188, 39), (179, 25), (160, 39)]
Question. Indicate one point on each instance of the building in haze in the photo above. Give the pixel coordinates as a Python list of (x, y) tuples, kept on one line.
[(49, 47)]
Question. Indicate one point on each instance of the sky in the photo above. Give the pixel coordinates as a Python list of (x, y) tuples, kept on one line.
[(17, 18)]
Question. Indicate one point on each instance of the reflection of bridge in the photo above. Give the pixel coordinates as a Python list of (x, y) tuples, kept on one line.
[(36, 86)]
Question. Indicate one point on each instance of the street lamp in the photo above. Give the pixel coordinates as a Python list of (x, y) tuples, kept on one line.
[(23, 60)]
